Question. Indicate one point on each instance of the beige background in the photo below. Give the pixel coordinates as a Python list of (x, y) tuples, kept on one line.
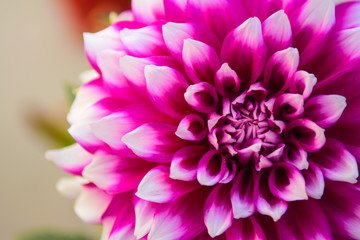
[(37, 54)]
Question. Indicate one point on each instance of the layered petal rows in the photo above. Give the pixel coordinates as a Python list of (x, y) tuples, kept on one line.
[(220, 119)]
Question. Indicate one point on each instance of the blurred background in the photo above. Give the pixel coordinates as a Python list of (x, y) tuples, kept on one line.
[(41, 57)]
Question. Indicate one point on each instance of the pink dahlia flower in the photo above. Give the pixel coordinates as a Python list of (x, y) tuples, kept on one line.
[(222, 119)]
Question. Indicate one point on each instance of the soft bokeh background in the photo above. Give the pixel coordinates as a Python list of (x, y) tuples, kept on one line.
[(40, 50)]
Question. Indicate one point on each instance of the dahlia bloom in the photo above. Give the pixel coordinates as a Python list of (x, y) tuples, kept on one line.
[(222, 119)]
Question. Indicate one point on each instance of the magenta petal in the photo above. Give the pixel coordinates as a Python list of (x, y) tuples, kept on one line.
[(247, 41), (302, 83), (306, 133), (314, 181), (166, 88), (157, 186), (144, 216), (277, 32), (202, 97), (245, 229), (144, 42), (242, 194), (185, 161), (286, 182), (179, 219), (175, 10), (154, 142), (192, 128), (71, 159), (336, 162), (226, 81), (116, 174), (218, 213), (200, 60), (175, 34), (325, 110), (148, 11), (280, 69), (288, 106), (295, 155), (212, 168), (294, 226), (347, 15), (92, 204), (266, 203)]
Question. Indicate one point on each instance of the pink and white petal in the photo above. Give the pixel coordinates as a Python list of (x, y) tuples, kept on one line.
[(288, 106), (108, 38), (245, 229), (306, 133), (325, 110), (311, 22), (84, 136), (302, 83), (154, 142), (277, 34), (175, 10), (185, 162), (116, 174), (208, 13), (92, 204), (166, 88), (113, 77), (242, 194), (336, 162), (157, 186), (280, 69), (70, 187), (113, 127), (292, 225), (286, 182), (266, 203), (192, 128), (71, 159), (144, 42), (218, 214), (227, 82), (295, 155), (144, 216), (175, 34), (347, 15), (212, 168), (202, 97), (180, 219), (148, 11), (200, 60), (341, 205), (314, 181), (247, 41)]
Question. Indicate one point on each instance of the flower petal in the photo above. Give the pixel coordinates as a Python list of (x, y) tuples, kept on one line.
[(314, 181), (295, 155), (212, 168), (185, 161), (116, 174), (302, 83), (227, 82), (192, 128), (157, 186), (287, 183), (248, 43), (347, 15), (175, 10), (242, 194), (148, 11), (246, 229), (277, 32), (325, 110), (336, 162), (166, 88), (200, 60), (288, 106), (71, 159), (154, 142), (218, 214), (202, 97), (175, 34), (144, 216), (306, 133), (280, 69)]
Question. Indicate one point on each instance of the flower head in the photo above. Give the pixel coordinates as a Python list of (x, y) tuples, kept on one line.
[(224, 118)]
